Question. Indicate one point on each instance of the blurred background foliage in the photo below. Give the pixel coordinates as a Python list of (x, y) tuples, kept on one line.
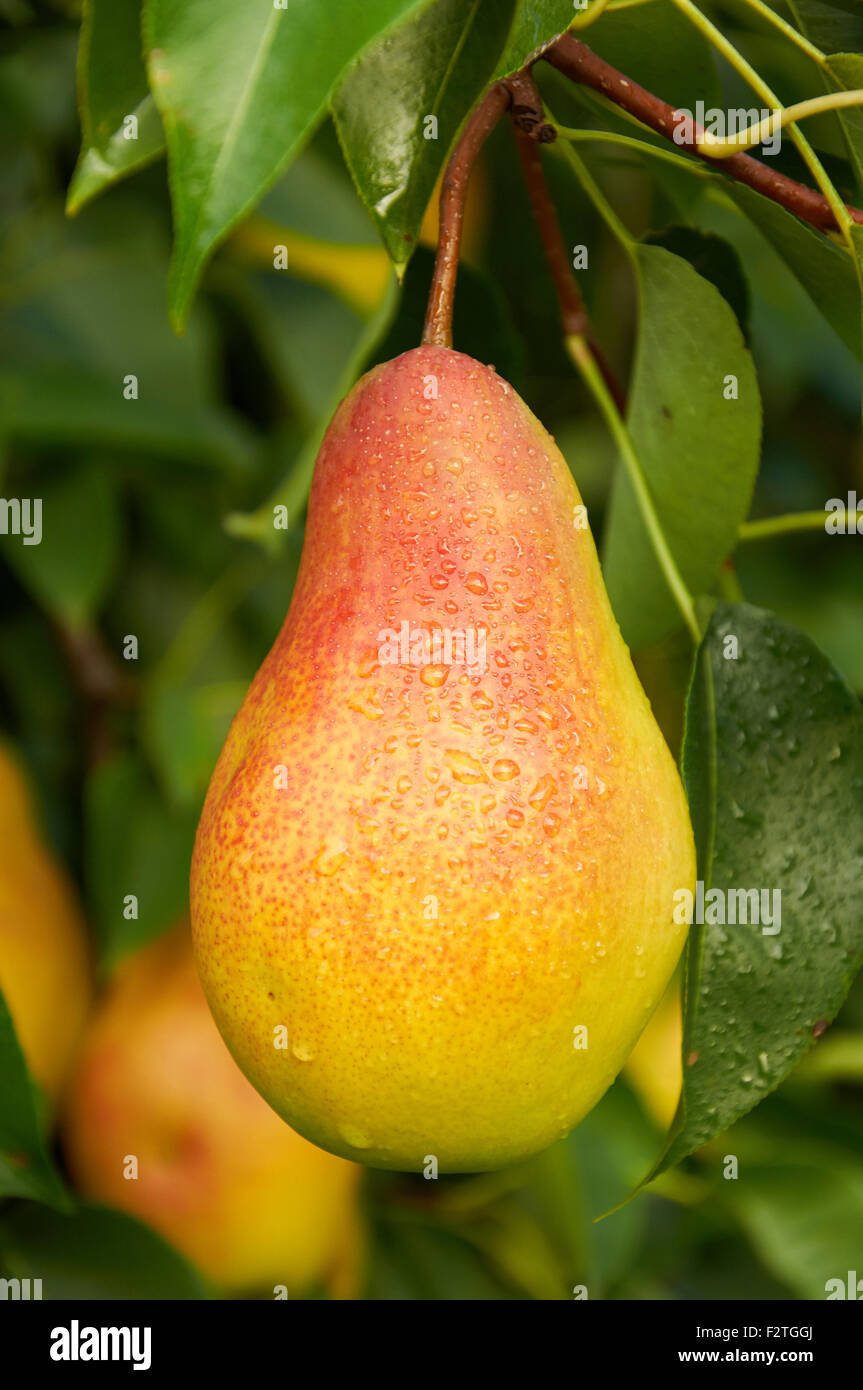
[(120, 751)]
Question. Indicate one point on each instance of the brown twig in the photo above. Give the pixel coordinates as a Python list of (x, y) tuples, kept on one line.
[(101, 681), (526, 108), (573, 314), (572, 311), (482, 121), (573, 58)]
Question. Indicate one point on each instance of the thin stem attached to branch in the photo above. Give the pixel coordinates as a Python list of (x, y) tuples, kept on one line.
[(101, 680), (721, 147), (745, 69), (482, 121), (572, 311), (785, 525), (573, 58)]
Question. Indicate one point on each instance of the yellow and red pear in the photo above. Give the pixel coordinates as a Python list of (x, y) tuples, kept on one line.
[(243, 1196), (432, 887), (44, 953)]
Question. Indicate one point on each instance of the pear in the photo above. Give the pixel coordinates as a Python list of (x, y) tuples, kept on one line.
[(247, 1200), (44, 955), (433, 882)]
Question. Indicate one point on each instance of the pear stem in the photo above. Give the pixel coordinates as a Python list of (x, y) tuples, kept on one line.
[(796, 521), (480, 124), (574, 316), (576, 61), (581, 355)]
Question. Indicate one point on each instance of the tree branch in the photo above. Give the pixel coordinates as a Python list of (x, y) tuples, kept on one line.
[(101, 681), (573, 58)]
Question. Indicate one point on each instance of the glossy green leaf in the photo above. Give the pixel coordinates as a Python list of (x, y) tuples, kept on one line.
[(67, 578), (96, 1253), (825, 271), (534, 24), (698, 449), (26, 1169), (400, 105), (112, 86), (773, 766), (239, 87)]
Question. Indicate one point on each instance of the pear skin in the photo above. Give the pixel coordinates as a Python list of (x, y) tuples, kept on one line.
[(44, 954), (219, 1176), (432, 887)]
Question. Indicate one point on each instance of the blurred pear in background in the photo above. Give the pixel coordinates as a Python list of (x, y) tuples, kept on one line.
[(219, 1175), (44, 966), (654, 1069)]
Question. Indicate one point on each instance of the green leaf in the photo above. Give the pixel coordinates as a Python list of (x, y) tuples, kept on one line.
[(824, 270), (96, 1253), (409, 1260), (657, 46), (609, 1151), (66, 574), (805, 1221), (834, 25), (773, 766), (534, 24), (698, 450), (239, 87), (715, 259), (143, 853), (112, 86), (68, 407), (26, 1169), (435, 66), (847, 70), (185, 730)]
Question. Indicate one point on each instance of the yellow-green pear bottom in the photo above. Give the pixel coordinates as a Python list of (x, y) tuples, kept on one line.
[(433, 884)]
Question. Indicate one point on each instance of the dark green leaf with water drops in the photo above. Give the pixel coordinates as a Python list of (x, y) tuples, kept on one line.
[(435, 66), (773, 765)]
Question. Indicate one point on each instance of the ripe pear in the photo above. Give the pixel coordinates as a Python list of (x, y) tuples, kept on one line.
[(439, 849), (44, 957), (244, 1197)]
